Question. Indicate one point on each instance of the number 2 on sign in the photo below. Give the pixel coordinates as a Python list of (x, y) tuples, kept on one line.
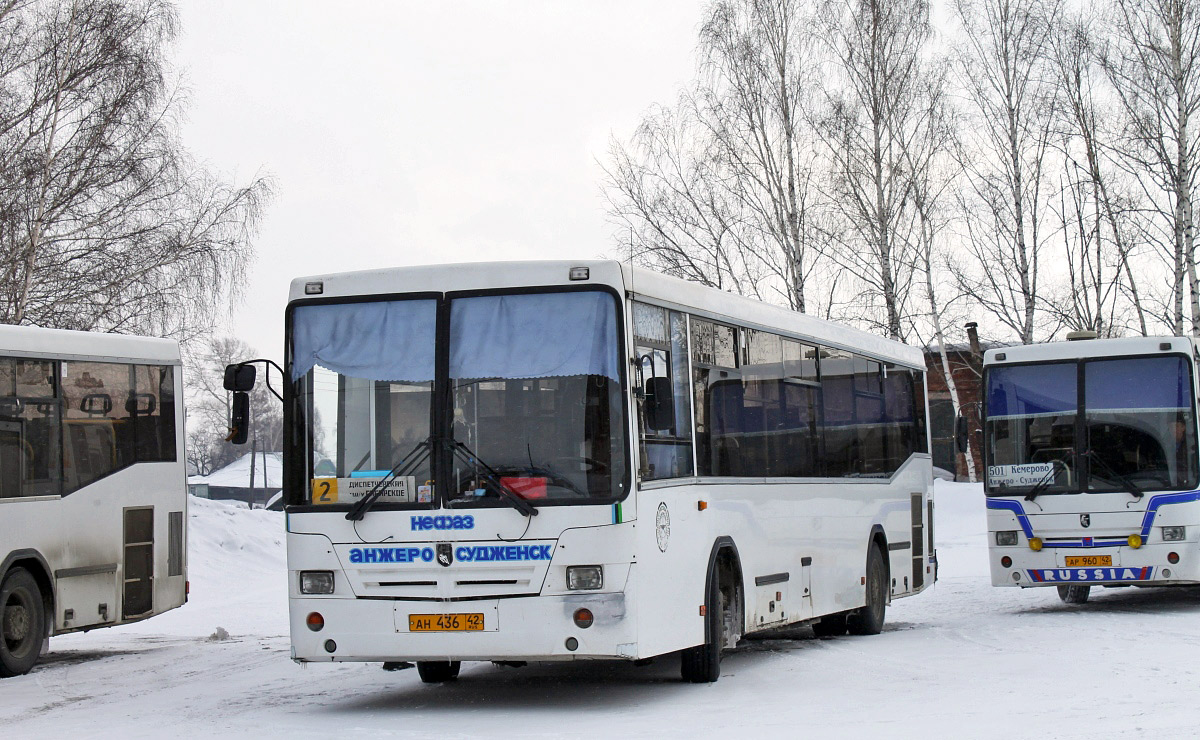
[(325, 490)]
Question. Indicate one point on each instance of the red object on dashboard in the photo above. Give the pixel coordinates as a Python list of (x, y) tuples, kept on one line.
[(526, 487)]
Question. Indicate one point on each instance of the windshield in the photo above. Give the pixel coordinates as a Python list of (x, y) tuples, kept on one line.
[(536, 396), (364, 375), (1138, 431), (1140, 424), (534, 401)]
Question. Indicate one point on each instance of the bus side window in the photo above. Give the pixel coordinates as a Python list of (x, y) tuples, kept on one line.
[(151, 406), (98, 428), (29, 436), (665, 425)]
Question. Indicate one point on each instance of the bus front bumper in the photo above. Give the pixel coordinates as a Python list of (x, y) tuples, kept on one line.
[(1148, 565), (514, 628)]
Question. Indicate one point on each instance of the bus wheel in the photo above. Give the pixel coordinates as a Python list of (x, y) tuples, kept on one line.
[(702, 664), (869, 619), (438, 671), (22, 623), (831, 625), (1074, 594)]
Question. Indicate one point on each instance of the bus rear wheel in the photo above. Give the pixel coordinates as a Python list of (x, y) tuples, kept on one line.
[(1074, 594), (22, 623), (869, 619), (438, 671)]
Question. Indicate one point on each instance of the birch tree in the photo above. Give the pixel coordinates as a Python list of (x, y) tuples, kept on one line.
[(1096, 211), (1004, 67), (721, 188), (875, 120), (1152, 64), (106, 223), (933, 175)]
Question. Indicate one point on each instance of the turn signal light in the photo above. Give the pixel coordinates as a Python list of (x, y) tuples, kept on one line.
[(1135, 541), (1006, 561), (1173, 558), (1035, 544), (584, 618), (315, 622)]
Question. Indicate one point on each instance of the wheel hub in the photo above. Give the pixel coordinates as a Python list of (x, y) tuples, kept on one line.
[(16, 623)]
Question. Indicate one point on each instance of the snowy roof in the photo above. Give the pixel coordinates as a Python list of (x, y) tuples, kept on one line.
[(237, 473)]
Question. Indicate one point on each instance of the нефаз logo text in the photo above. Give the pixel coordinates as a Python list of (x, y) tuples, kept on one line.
[(420, 523)]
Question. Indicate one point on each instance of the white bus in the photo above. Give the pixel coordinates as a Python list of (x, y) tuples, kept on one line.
[(1090, 451), (93, 497), (563, 461)]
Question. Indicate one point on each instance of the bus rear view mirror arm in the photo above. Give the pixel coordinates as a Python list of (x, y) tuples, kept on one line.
[(240, 377)]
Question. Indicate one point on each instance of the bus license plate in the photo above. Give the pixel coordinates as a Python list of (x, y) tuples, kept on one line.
[(1087, 561), (445, 622)]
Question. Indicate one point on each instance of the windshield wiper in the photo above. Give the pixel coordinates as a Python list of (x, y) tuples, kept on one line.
[(514, 499), (407, 464), (1044, 483), (1134, 490)]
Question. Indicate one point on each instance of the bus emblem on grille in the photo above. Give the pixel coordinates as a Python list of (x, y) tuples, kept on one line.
[(445, 555), (1085, 520)]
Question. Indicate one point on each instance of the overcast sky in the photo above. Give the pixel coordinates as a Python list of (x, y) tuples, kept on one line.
[(418, 132)]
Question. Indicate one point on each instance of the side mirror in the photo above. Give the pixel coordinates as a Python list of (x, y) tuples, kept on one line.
[(962, 432), (239, 378), (659, 407), (239, 418)]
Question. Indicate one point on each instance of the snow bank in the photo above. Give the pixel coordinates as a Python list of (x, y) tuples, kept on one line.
[(237, 567)]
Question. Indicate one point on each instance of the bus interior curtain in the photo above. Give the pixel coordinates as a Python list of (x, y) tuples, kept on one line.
[(1032, 390), (1142, 383), (385, 340), (538, 335)]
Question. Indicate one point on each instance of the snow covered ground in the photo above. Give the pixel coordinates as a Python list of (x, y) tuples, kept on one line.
[(963, 660)]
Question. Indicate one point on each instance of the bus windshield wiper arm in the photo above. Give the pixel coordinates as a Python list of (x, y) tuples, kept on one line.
[(507, 494), (1044, 483), (1134, 490), (407, 464)]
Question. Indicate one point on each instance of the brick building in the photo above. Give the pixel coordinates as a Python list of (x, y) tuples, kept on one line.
[(966, 365)]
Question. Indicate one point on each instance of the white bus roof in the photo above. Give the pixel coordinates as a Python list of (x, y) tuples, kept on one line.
[(1085, 348), (637, 282), (34, 341)]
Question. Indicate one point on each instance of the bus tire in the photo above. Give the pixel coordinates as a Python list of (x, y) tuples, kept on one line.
[(438, 671), (22, 623), (869, 619), (1074, 594), (702, 663), (831, 625)]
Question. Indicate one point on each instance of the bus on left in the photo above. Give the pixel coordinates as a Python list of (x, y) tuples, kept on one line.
[(93, 492)]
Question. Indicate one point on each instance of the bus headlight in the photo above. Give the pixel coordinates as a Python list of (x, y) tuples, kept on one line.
[(316, 581), (1174, 534), (1006, 538), (585, 577)]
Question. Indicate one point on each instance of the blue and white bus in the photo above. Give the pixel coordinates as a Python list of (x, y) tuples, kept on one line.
[(1091, 458)]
